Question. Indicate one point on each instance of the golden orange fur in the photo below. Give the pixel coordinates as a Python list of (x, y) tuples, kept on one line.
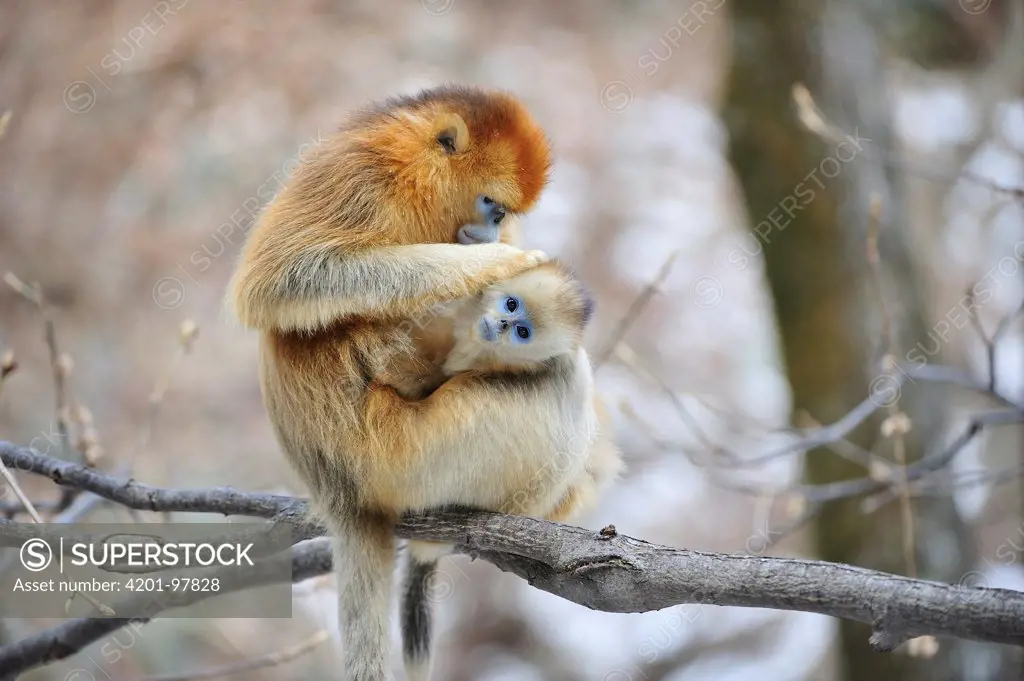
[(337, 274), (331, 392), (366, 225)]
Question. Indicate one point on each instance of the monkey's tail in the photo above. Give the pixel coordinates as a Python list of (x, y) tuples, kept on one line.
[(364, 557), (424, 584)]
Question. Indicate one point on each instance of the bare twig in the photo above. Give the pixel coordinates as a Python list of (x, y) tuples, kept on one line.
[(898, 424), (815, 121), (819, 436), (272, 659), (880, 480), (918, 470), (633, 313), (186, 337), (60, 366), (969, 479), (18, 492), (842, 447), (933, 373), (823, 435), (941, 486), (9, 509), (626, 355), (307, 560), (36, 518)]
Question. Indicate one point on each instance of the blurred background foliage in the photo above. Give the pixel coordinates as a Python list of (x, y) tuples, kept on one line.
[(144, 137)]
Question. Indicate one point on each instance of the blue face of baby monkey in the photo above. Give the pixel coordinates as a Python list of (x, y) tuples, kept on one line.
[(509, 318)]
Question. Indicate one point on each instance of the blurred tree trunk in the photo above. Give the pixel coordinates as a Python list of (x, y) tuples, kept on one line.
[(808, 201)]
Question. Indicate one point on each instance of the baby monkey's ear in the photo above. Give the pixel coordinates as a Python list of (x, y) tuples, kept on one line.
[(588, 306), (451, 133)]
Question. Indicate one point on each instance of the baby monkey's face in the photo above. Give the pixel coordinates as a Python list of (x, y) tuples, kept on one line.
[(529, 318), (505, 320)]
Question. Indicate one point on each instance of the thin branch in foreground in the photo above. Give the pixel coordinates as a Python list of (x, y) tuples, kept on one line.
[(272, 659), (600, 570)]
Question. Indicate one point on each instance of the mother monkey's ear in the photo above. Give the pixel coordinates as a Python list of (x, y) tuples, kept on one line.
[(451, 133)]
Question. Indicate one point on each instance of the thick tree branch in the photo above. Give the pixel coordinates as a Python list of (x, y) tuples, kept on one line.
[(622, 574), (601, 570)]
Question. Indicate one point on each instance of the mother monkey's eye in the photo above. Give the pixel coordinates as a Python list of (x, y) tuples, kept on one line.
[(447, 141)]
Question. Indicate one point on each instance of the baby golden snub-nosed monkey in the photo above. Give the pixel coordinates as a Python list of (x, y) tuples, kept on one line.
[(386, 222), (516, 332)]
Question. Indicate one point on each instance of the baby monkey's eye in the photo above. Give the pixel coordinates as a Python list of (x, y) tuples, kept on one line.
[(522, 331), (511, 304)]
